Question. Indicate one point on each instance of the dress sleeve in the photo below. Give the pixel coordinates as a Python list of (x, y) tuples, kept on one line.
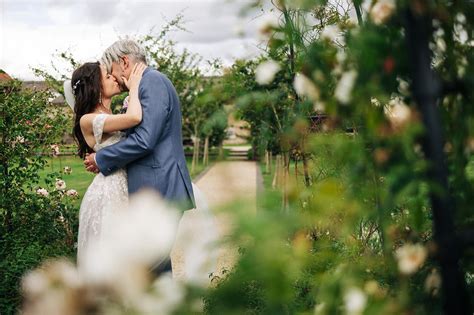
[(98, 127)]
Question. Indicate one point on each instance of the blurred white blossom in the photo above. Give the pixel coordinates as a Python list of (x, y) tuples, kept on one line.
[(410, 258), (331, 32), (165, 296), (200, 251), (52, 289), (433, 282), (397, 112), (266, 71), (141, 235), (382, 10), (304, 87), (355, 301), (345, 85)]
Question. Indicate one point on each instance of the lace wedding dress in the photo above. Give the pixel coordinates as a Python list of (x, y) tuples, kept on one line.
[(105, 194)]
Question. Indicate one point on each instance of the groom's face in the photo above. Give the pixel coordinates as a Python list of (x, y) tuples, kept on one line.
[(119, 70)]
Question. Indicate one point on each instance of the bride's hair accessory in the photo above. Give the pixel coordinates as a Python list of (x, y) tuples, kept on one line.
[(76, 85), (69, 92)]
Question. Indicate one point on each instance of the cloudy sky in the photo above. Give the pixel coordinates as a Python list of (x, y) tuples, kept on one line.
[(32, 31)]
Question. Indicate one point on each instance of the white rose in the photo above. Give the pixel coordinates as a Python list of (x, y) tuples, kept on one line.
[(345, 86), (60, 184), (72, 193), (55, 149), (266, 71), (410, 258), (42, 192), (382, 10)]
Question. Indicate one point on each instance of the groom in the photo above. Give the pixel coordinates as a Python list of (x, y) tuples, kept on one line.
[(153, 151)]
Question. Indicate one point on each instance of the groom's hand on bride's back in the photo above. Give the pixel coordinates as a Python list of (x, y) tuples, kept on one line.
[(90, 164)]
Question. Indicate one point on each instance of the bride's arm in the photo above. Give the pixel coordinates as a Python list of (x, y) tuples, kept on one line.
[(133, 115)]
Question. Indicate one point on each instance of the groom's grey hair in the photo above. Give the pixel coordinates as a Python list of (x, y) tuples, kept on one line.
[(121, 48)]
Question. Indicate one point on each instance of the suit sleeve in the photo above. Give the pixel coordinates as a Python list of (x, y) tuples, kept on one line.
[(154, 98)]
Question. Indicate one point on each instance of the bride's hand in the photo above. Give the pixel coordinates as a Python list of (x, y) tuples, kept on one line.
[(135, 76)]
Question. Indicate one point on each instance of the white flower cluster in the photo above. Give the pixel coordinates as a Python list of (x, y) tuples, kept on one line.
[(115, 270)]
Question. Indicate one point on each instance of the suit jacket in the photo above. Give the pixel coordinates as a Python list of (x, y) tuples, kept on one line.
[(153, 150)]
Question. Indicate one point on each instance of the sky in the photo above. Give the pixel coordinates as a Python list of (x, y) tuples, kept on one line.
[(32, 31)]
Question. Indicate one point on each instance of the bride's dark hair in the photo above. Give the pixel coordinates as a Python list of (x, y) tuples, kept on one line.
[(86, 86)]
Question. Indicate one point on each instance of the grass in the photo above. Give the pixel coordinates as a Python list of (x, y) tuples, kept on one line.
[(80, 179)]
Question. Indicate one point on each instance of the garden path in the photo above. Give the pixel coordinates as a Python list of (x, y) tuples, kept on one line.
[(223, 183)]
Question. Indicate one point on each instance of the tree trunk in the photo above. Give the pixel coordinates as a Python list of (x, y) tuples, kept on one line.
[(221, 151), (307, 179), (276, 179), (267, 162), (270, 168), (296, 169), (285, 181), (205, 158), (195, 154)]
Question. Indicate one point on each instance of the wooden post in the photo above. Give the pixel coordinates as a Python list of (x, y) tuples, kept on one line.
[(426, 91)]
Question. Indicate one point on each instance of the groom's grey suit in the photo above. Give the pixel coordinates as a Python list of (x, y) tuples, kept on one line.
[(153, 151)]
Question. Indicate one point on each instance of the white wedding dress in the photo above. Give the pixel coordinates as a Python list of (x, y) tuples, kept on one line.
[(105, 194)]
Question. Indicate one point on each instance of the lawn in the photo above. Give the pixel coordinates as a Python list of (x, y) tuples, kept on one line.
[(79, 179)]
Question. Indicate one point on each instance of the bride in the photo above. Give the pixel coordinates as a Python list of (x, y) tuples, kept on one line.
[(95, 127), (89, 94)]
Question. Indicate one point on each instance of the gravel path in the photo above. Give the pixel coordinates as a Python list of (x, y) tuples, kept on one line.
[(223, 183)]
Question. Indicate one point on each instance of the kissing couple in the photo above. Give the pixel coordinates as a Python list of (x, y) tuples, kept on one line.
[(139, 148)]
